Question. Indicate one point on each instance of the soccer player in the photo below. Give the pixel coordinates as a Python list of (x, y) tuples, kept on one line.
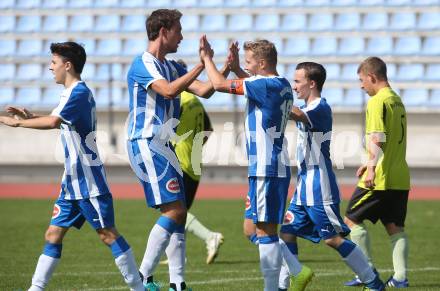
[(384, 181), (313, 212), (84, 194), (154, 85), (269, 100)]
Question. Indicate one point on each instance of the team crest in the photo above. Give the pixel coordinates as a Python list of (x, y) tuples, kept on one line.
[(248, 203), (173, 185), (288, 218), (56, 211)]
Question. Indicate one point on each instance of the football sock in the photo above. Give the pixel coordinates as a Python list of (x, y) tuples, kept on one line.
[(357, 261), (194, 226), (158, 240), (46, 265), (359, 235), (253, 239), (289, 252), (176, 256), (399, 243), (284, 281), (270, 261), (126, 264)]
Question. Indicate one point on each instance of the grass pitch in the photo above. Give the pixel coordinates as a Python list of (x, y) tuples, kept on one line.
[(87, 264)]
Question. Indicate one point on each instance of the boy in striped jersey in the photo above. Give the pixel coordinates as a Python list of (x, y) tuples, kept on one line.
[(313, 212), (84, 194)]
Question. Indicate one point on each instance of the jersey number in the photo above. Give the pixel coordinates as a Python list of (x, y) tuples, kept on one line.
[(286, 107)]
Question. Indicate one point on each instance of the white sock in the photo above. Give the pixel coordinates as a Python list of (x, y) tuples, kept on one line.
[(129, 270), (270, 263), (291, 260), (176, 252), (358, 262), (157, 242), (284, 281), (194, 226), (43, 272)]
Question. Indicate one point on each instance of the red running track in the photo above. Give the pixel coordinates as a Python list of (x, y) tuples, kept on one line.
[(206, 191)]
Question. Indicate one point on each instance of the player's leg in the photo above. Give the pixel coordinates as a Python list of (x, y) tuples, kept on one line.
[(249, 228)]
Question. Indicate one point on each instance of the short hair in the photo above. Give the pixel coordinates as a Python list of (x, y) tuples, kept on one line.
[(159, 18), (72, 52), (314, 72), (375, 66), (263, 49)]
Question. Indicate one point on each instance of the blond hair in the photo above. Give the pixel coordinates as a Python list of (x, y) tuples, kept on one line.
[(263, 49)]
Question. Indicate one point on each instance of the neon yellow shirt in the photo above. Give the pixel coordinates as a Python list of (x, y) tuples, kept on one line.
[(192, 118), (386, 114)]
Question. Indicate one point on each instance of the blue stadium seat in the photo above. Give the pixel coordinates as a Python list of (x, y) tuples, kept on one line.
[(88, 44), (7, 71), (133, 3), (351, 46), (344, 2), (391, 70), (27, 4), (293, 22), (28, 96), (324, 46), (107, 23), (349, 72), (281, 70), (190, 22), (334, 96), (6, 96), (54, 3), (429, 20), (380, 46), (333, 71), (185, 3), (375, 21), (102, 72), (188, 47), (433, 100), (370, 2), (317, 2), (135, 46), (320, 21), (47, 74), (5, 4), (354, 97), (289, 72), (432, 72), (133, 23), (279, 44), (7, 47), (431, 46), (7, 23), (107, 3), (118, 98), (264, 3), (216, 22), (426, 2), (29, 47), (80, 3), (81, 23), (117, 72), (410, 72), (211, 3), (101, 96), (347, 21), (28, 23), (403, 21), (219, 45), (237, 3), (88, 72), (108, 47), (240, 22), (29, 71), (297, 46), (409, 45), (55, 23), (290, 2), (415, 97), (51, 96), (267, 22), (399, 2), (159, 3)]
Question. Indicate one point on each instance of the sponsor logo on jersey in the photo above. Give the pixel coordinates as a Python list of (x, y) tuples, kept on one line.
[(56, 211), (288, 217), (248, 203), (173, 185)]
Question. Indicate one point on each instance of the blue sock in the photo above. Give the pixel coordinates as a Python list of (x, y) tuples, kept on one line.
[(293, 247), (253, 239), (180, 229), (268, 239), (167, 223), (346, 248), (53, 250), (119, 246)]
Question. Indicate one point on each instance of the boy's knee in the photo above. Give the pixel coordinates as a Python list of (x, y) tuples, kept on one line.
[(54, 235)]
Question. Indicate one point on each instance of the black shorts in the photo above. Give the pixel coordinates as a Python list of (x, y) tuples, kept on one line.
[(387, 205), (190, 186)]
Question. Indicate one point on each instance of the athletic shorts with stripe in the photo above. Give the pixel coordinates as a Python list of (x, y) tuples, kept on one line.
[(387, 205), (266, 199), (158, 176), (98, 211), (314, 222)]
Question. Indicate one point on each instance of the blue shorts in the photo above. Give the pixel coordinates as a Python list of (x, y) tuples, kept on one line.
[(98, 211), (314, 222), (266, 199), (159, 175)]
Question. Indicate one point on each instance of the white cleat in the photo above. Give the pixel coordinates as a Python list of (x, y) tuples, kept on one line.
[(212, 245)]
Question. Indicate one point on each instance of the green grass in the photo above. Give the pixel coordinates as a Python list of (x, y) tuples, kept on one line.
[(88, 265)]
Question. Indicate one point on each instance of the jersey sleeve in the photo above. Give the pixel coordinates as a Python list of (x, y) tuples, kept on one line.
[(375, 116), (70, 109), (146, 72), (255, 90), (315, 114)]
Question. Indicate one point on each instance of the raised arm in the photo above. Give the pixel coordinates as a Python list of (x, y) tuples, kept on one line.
[(235, 62)]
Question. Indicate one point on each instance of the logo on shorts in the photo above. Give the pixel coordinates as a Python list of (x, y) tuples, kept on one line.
[(173, 185), (56, 211), (248, 203), (288, 217)]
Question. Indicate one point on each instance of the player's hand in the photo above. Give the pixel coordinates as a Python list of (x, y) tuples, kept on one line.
[(21, 113), (233, 57), (361, 171), (205, 49), (369, 178), (9, 121)]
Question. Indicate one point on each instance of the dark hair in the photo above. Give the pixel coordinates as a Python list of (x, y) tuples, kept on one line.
[(165, 18), (263, 49), (314, 72), (375, 66), (70, 52)]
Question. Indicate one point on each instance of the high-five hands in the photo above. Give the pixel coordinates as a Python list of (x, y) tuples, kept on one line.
[(205, 49)]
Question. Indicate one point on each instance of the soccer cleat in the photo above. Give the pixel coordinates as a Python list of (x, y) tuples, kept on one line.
[(391, 282), (375, 285), (213, 244), (300, 281), (183, 287), (152, 286), (354, 283)]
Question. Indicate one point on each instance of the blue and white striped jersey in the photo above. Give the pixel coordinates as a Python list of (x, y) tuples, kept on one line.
[(316, 181), (84, 174), (148, 109), (269, 102)]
